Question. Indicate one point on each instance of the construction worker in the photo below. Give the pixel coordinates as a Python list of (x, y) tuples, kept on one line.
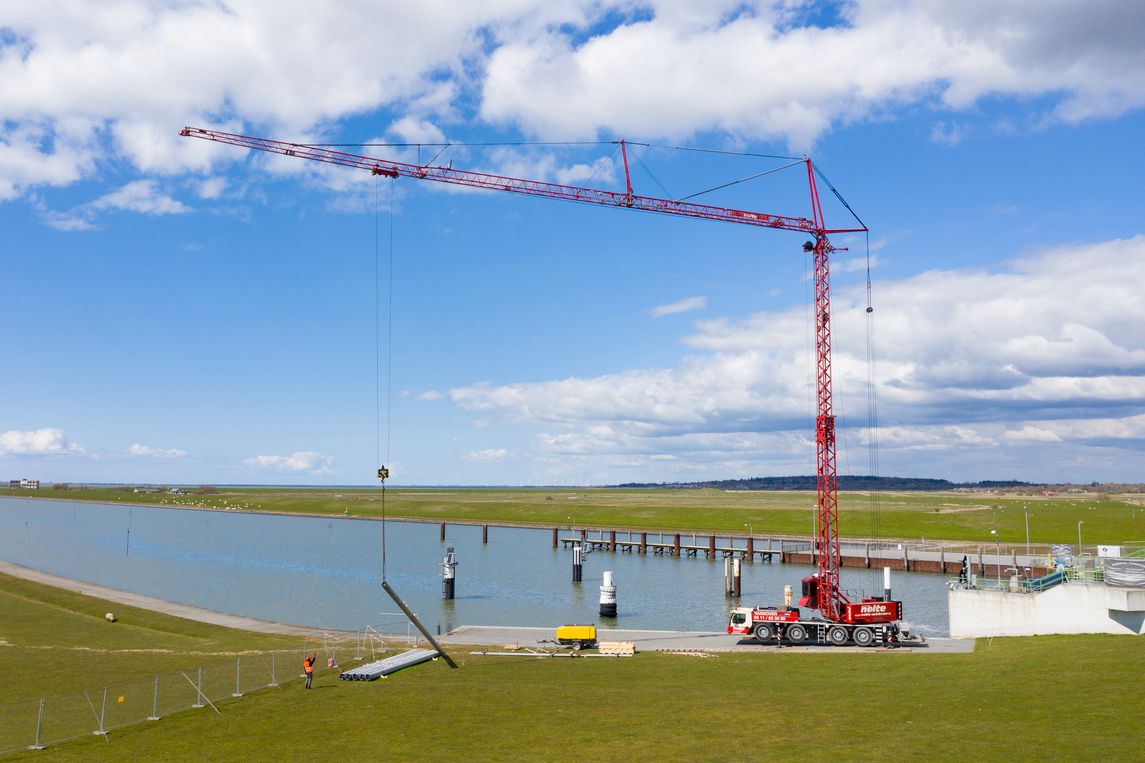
[(308, 666)]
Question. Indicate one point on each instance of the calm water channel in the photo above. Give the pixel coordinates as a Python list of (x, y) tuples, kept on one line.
[(326, 572)]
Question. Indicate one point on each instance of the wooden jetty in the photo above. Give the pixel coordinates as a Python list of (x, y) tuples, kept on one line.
[(934, 557), (675, 545)]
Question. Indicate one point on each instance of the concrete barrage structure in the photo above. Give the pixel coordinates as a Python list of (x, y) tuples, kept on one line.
[(1076, 607)]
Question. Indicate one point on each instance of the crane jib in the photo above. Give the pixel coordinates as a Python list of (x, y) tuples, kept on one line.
[(393, 169)]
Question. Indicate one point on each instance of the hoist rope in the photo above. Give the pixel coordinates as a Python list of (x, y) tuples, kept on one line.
[(377, 336), (737, 182), (465, 144), (602, 163), (378, 365), (377, 347), (390, 330), (656, 180), (872, 401), (726, 152), (496, 143), (843, 201)]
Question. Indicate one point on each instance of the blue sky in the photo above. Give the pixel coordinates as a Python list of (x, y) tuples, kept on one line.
[(180, 311)]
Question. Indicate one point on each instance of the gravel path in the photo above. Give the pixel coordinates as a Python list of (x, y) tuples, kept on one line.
[(185, 611)]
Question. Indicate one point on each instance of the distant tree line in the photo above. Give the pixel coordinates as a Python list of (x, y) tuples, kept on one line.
[(846, 482)]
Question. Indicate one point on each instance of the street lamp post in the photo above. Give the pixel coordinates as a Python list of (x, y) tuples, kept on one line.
[(997, 557), (749, 530), (1079, 524)]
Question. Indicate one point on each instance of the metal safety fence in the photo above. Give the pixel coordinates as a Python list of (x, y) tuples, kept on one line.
[(40, 722)]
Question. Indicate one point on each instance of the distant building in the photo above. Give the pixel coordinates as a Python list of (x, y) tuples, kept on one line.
[(24, 484)]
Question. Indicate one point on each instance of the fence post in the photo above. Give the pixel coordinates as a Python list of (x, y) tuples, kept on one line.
[(39, 726), (199, 689), (155, 702), (238, 675), (273, 675)]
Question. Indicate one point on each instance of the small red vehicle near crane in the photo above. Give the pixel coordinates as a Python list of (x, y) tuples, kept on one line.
[(869, 621)]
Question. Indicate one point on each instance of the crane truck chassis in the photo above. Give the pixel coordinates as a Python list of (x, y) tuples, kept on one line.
[(870, 622)]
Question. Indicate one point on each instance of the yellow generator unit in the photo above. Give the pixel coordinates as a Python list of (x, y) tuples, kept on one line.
[(577, 636)]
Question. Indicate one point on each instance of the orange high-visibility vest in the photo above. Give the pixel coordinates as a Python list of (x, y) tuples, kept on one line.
[(309, 665)]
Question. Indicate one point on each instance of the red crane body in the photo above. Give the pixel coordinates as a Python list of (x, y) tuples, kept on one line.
[(822, 590)]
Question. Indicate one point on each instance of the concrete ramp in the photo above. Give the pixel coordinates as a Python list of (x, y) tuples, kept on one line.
[(380, 668)]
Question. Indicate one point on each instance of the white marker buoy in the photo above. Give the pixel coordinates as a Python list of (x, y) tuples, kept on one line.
[(608, 596), (448, 573)]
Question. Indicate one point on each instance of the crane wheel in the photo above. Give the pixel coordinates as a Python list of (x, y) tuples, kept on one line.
[(764, 632), (796, 633), (837, 635), (864, 636)]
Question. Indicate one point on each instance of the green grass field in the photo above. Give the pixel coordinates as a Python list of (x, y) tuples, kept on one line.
[(911, 516), (1075, 697)]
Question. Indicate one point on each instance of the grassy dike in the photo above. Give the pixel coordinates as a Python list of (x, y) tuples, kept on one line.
[(911, 516), (56, 642), (1012, 699)]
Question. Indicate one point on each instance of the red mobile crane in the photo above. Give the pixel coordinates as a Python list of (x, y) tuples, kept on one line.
[(841, 621)]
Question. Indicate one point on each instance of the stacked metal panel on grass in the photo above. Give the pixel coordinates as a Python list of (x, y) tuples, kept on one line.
[(375, 670)]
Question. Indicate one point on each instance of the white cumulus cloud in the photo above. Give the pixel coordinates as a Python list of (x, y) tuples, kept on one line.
[(1046, 349), (149, 452), (39, 442), (143, 196), (488, 455), (117, 87), (685, 305), (297, 463)]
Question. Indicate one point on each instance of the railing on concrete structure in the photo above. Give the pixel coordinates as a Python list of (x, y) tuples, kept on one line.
[(1086, 574), (1014, 584)]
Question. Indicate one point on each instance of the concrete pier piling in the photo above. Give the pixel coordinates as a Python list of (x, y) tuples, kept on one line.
[(732, 579), (577, 567)]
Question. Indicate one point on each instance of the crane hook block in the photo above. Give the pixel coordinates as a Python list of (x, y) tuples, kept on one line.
[(383, 472)]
